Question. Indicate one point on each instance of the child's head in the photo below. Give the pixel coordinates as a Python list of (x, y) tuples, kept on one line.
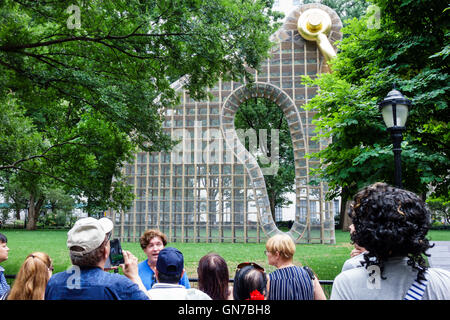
[(249, 278), (3, 248)]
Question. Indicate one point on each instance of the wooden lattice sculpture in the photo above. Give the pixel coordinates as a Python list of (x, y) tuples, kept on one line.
[(210, 188)]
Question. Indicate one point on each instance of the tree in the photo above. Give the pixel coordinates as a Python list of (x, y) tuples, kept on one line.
[(59, 207), (258, 114), (440, 209), (411, 51), (345, 9), (19, 140), (15, 197), (88, 82)]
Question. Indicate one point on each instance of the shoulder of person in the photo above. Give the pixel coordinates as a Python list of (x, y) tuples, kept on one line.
[(343, 283), (59, 276), (438, 286), (114, 280), (350, 274), (143, 264), (195, 294), (354, 262), (439, 274), (124, 286), (120, 278)]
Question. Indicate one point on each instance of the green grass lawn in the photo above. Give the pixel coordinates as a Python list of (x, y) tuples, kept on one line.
[(325, 260)]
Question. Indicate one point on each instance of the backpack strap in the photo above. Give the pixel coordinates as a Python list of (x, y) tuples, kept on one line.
[(416, 290), (310, 272)]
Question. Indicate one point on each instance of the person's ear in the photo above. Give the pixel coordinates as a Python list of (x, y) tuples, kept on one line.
[(106, 252), (156, 275), (182, 273)]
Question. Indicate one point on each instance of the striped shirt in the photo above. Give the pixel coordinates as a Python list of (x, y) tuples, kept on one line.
[(291, 283), (416, 290)]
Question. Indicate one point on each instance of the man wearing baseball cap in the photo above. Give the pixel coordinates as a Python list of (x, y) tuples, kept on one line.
[(88, 243), (169, 270)]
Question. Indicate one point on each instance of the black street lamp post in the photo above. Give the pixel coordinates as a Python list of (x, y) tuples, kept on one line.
[(394, 109)]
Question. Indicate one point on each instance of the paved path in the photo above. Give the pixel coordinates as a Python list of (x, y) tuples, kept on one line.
[(440, 255)]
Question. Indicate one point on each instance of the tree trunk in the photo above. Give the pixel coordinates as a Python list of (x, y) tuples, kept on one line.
[(33, 212), (342, 212), (272, 206), (344, 220)]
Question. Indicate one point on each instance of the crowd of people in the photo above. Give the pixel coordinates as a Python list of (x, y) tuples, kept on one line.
[(388, 232)]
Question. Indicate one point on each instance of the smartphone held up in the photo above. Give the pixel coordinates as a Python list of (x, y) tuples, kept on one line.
[(116, 254)]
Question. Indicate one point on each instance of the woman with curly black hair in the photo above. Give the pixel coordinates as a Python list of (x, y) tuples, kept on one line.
[(391, 224)]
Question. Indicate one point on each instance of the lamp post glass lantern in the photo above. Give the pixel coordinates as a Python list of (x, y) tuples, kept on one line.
[(394, 109)]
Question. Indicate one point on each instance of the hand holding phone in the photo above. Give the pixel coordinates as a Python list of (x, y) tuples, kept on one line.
[(131, 270), (116, 254)]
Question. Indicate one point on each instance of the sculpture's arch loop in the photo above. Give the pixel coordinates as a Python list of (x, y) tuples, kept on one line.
[(229, 108)]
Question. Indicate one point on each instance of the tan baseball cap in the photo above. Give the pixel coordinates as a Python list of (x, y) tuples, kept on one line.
[(89, 234)]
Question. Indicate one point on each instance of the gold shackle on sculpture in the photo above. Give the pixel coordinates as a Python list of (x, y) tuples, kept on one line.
[(315, 25)]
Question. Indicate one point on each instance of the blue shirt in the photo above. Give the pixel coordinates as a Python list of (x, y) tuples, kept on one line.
[(91, 284), (4, 286), (149, 279), (291, 283)]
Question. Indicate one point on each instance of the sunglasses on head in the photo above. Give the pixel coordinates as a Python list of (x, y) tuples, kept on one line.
[(254, 265)]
